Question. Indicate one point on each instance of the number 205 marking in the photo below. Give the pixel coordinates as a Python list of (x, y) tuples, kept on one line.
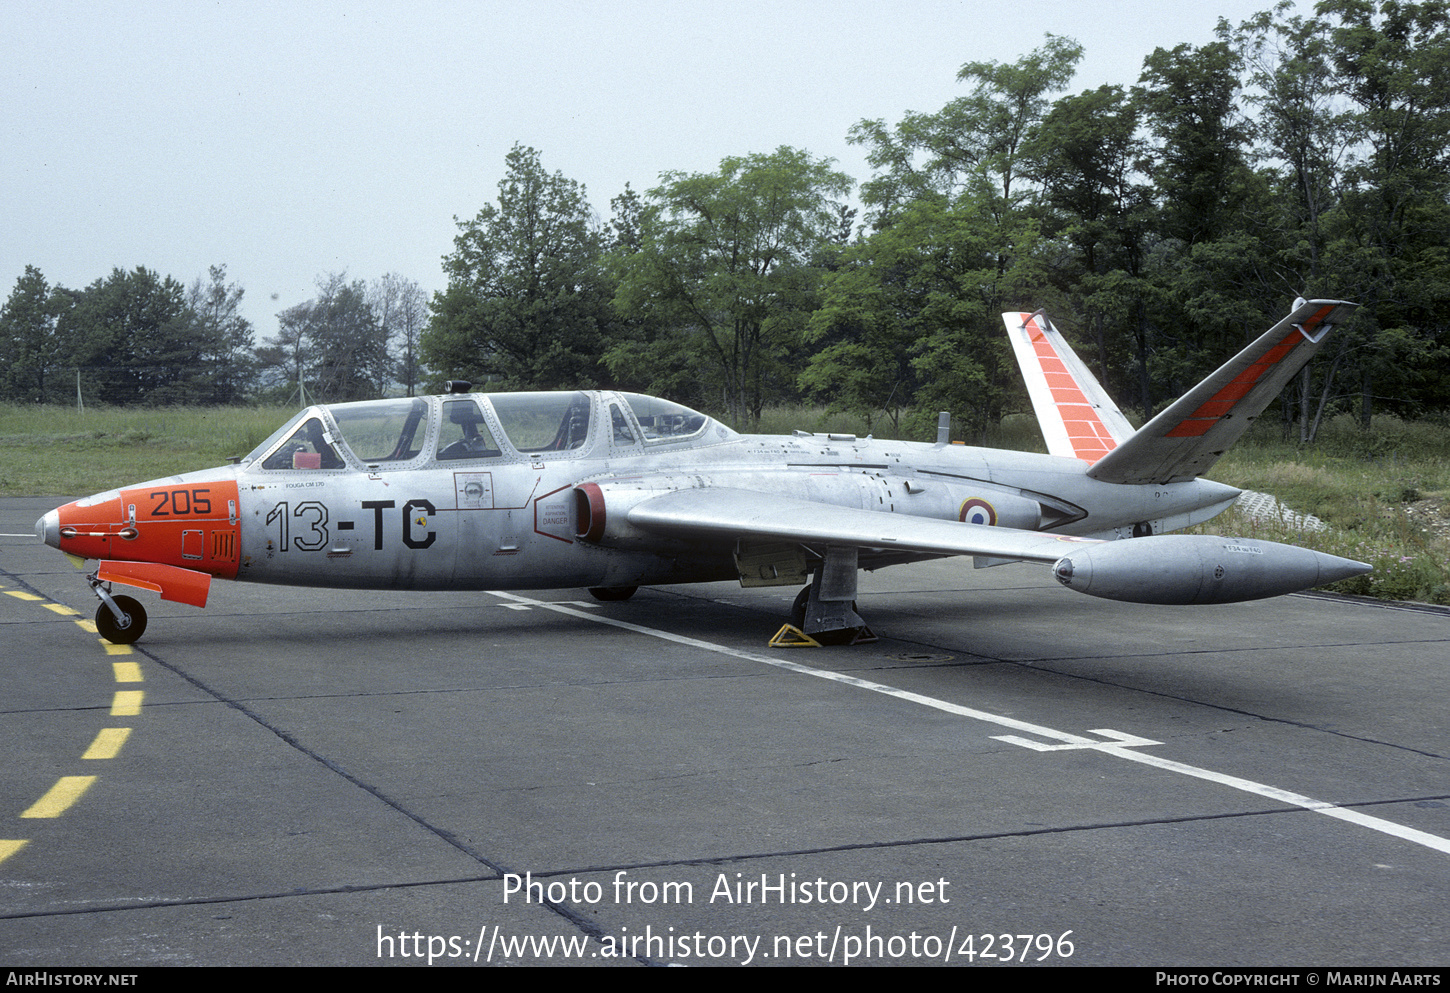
[(182, 502)]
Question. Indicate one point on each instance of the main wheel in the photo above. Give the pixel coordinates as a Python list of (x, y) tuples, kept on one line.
[(612, 593), (798, 608), (123, 632)]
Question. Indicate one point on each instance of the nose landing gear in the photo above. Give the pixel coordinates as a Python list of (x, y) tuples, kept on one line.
[(120, 619)]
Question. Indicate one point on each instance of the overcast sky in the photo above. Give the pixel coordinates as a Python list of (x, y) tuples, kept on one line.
[(287, 140)]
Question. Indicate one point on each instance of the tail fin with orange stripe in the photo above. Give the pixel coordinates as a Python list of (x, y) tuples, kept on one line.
[(1187, 438), (1078, 418)]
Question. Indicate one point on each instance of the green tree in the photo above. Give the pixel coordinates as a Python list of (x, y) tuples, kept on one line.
[(1210, 266), (1300, 140), (644, 353), (526, 304), (224, 337), (401, 308), (727, 264), (1298, 130), (973, 145), (330, 349), (1392, 61), (957, 240), (864, 335), (1087, 157), (1189, 98), (910, 317), (135, 339), (30, 352)]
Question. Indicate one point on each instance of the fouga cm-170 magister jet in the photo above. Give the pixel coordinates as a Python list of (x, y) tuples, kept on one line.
[(612, 491)]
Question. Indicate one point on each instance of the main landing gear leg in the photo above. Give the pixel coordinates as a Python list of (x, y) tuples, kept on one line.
[(120, 619), (825, 612)]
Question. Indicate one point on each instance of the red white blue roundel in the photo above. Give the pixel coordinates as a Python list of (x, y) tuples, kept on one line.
[(977, 511)]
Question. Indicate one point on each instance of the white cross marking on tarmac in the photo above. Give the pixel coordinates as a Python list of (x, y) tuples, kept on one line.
[(1119, 740)]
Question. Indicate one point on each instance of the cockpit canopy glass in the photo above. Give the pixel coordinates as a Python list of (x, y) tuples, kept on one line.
[(394, 432), (664, 421), (376, 431), (464, 434), (274, 438), (383, 430), (309, 447), (543, 422)]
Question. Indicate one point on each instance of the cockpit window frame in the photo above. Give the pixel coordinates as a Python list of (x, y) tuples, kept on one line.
[(486, 421), (619, 414), (709, 431), (424, 442), (284, 435), (336, 438), (603, 407), (288, 427), (587, 398)]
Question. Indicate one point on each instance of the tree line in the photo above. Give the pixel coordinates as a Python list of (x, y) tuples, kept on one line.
[(139, 338), (1162, 225)]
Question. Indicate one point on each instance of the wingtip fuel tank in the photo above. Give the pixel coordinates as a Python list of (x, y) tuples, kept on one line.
[(1198, 569)]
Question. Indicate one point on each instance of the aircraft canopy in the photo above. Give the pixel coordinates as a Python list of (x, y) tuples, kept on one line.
[(414, 430)]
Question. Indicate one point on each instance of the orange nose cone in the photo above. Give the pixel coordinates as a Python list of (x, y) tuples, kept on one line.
[(85, 528)]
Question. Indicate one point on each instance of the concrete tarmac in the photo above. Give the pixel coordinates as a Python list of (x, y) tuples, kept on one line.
[(1013, 771)]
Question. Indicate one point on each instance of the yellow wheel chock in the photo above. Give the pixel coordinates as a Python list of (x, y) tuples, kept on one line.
[(790, 636)]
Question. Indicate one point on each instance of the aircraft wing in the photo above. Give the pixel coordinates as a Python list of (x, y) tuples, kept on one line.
[(730, 513)]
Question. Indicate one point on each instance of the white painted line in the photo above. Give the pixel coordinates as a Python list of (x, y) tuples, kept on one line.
[(1120, 740), (806, 670), (1122, 746), (1297, 800)]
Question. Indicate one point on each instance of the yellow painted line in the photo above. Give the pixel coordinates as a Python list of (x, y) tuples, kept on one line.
[(126, 703), (66, 791), (9, 848), (22, 595), (108, 742), (127, 672), (87, 626), (61, 609), (116, 649)]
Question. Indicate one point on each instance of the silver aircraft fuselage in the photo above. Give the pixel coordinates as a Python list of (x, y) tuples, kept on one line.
[(341, 502)]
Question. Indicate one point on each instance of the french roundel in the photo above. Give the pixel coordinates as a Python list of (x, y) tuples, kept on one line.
[(977, 511)]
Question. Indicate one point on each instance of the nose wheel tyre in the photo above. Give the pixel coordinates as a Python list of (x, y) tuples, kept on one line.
[(122, 632)]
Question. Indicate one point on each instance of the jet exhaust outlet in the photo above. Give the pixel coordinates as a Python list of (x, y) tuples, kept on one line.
[(589, 512)]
